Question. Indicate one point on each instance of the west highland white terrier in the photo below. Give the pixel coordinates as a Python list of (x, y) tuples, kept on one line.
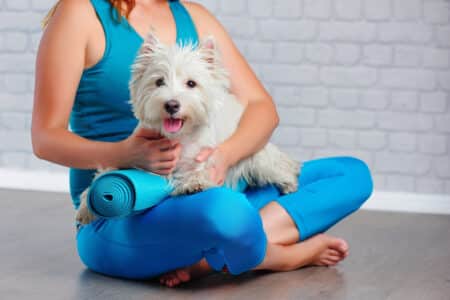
[(184, 93)]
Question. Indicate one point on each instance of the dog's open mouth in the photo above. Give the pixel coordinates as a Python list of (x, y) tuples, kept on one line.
[(173, 125)]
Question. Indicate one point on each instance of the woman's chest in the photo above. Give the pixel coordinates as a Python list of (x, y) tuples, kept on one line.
[(158, 19)]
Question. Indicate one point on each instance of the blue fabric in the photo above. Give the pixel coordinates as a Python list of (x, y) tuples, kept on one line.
[(329, 189), (221, 225), (120, 193), (217, 223), (101, 110)]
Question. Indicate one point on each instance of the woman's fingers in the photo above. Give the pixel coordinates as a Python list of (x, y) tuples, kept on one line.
[(204, 154), (162, 144), (177, 150), (164, 165), (163, 171), (169, 154), (166, 161), (148, 133), (162, 154), (214, 174)]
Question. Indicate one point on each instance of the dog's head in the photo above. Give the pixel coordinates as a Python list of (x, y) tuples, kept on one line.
[(176, 89)]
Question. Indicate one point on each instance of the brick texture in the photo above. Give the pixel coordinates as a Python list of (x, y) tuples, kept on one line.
[(364, 78)]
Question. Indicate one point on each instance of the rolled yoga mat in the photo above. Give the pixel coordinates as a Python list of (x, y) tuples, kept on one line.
[(121, 193)]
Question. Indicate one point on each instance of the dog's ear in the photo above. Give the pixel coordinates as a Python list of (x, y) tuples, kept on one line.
[(208, 48), (150, 43), (209, 42), (143, 57), (209, 51)]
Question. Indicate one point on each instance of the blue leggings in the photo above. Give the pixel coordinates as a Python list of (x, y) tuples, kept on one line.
[(220, 224)]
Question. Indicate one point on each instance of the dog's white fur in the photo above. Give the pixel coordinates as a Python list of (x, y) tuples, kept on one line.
[(210, 113)]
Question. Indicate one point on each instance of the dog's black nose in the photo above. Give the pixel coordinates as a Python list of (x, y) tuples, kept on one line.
[(172, 106)]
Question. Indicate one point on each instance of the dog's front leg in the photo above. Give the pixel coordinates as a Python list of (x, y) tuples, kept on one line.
[(192, 182)]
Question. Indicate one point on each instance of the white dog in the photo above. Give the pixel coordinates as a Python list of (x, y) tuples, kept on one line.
[(183, 92)]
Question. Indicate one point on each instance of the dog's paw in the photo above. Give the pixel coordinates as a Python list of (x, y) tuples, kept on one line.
[(288, 181), (289, 173), (191, 185), (288, 187), (196, 188), (188, 189), (193, 189)]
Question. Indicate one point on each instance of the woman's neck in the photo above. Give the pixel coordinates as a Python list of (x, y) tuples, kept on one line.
[(150, 2)]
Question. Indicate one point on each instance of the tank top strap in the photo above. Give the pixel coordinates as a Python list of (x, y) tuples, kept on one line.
[(186, 30), (104, 13)]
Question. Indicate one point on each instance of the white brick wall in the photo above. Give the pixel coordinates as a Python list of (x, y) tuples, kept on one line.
[(364, 78)]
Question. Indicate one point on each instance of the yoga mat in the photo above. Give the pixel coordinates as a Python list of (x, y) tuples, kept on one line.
[(120, 193)]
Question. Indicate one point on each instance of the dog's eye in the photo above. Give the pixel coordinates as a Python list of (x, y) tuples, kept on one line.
[(191, 83), (159, 82)]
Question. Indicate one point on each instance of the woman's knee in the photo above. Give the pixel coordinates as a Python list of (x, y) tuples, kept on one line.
[(229, 215), (235, 231), (218, 213), (359, 173)]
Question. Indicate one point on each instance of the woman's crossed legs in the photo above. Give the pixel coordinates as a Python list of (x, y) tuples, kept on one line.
[(223, 227), (329, 189)]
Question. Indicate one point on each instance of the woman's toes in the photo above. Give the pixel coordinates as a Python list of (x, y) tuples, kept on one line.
[(171, 282), (183, 275), (335, 259), (333, 252), (175, 277), (168, 279), (326, 262), (343, 246), (336, 251), (330, 262), (339, 245), (163, 278)]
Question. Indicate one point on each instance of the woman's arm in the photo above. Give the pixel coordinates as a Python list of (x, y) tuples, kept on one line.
[(260, 117), (60, 62)]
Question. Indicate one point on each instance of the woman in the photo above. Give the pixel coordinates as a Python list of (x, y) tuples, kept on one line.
[(82, 72)]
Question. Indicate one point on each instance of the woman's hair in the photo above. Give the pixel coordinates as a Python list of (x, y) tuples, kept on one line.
[(118, 4)]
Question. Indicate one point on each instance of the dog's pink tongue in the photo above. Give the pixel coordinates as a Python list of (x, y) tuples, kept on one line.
[(172, 125)]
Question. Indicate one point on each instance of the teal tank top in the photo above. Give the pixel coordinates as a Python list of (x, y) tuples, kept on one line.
[(101, 110)]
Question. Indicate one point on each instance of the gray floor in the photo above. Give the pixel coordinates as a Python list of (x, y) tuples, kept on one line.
[(392, 256)]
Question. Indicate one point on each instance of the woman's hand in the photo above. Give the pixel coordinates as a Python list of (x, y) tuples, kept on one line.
[(219, 163), (147, 149)]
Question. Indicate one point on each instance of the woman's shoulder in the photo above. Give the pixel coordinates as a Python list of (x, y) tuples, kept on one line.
[(68, 30), (74, 18), (204, 20), (80, 12), (75, 7)]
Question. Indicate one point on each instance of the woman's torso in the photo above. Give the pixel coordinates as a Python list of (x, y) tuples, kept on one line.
[(101, 110)]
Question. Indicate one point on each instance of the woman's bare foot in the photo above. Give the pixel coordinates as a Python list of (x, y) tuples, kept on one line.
[(178, 276), (319, 250), (335, 251)]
